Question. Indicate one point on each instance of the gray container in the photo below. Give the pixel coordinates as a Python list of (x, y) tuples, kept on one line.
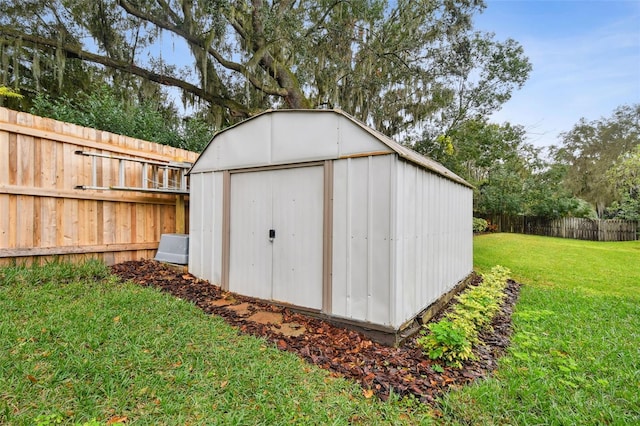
[(173, 248)]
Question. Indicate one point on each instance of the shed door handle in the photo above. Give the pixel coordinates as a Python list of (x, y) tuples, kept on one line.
[(272, 234)]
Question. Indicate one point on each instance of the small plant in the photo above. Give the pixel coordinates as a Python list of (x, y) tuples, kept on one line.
[(446, 342), (479, 225), (452, 338), (49, 419)]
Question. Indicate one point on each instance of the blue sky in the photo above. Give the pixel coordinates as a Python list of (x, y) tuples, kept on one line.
[(585, 56)]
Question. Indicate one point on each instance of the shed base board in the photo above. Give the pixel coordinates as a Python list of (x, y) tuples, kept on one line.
[(385, 335), (390, 336)]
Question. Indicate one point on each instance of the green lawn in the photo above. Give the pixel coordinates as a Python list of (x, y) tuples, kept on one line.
[(575, 354), (79, 348)]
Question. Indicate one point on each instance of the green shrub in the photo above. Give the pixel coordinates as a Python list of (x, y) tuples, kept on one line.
[(452, 338), (479, 224), (446, 342)]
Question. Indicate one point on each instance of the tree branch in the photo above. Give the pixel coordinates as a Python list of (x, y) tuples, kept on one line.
[(74, 51), (230, 65)]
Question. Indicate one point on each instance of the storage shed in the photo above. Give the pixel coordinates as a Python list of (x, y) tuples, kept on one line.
[(313, 209)]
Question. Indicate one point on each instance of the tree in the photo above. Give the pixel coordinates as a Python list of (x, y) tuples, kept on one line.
[(475, 147), (590, 149), (102, 109), (509, 174), (399, 66), (624, 176)]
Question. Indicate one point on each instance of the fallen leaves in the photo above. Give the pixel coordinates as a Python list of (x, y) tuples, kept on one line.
[(344, 353), (117, 419), (367, 393)]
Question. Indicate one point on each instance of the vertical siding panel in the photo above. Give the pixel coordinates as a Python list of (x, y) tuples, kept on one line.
[(401, 285), (339, 295), (196, 226), (409, 239), (358, 255), (393, 243), (349, 240), (424, 240), (379, 236), (369, 237), (215, 229)]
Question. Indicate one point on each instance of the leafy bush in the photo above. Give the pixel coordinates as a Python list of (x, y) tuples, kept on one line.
[(451, 339), (446, 342), (103, 110), (479, 224)]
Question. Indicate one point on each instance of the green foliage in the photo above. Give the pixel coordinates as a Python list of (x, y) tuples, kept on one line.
[(625, 178), (9, 93), (421, 61), (451, 339), (509, 174), (575, 331), (103, 110), (447, 342), (591, 148), (479, 224)]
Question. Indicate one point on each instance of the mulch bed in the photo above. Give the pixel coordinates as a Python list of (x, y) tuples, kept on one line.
[(377, 368)]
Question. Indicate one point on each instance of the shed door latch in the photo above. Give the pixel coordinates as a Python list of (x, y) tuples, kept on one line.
[(272, 234)]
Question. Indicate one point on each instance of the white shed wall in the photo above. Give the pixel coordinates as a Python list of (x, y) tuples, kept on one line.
[(433, 242), (205, 226), (362, 212)]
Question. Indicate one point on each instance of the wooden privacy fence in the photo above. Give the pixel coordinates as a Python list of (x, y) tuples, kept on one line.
[(568, 227), (43, 215)]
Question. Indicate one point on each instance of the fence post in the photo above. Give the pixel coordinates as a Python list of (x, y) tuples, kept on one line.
[(180, 214)]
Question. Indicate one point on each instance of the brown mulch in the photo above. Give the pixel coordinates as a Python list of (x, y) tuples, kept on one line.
[(404, 370)]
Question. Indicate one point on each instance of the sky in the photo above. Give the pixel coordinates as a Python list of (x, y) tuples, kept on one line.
[(585, 56)]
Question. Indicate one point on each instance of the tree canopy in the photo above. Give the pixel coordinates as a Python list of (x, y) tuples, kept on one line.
[(591, 148), (404, 67)]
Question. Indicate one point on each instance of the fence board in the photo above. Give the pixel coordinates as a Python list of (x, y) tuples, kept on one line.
[(43, 216), (568, 227)]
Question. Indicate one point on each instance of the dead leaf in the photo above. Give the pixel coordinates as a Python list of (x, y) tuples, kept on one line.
[(368, 393), (117, 419), (31, 378), (224, 384), (116, 319)]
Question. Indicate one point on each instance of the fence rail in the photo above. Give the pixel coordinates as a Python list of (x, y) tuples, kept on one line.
[(43, 215), (568, 227)]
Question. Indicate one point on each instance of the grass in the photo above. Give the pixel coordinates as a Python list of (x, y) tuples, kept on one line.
[(80, 348), (575, 354), (77, 347)]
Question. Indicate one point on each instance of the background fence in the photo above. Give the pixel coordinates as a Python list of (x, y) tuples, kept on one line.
[(569, 227), (43, 216)]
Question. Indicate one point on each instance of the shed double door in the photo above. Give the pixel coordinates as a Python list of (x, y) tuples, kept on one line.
[(276, 220)]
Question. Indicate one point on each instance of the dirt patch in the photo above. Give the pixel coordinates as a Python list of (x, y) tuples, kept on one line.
[(242, 309), (404, 370), (262, 317), (290, 329)]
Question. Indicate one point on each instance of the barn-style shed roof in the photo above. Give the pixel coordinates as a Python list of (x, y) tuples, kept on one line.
[(309, 128)]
